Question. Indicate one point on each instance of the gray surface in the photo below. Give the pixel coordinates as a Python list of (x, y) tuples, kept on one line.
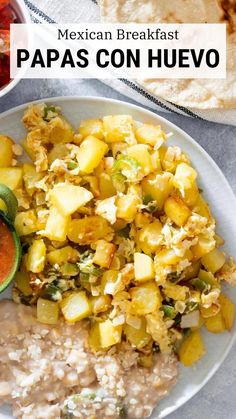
[(218, 398)]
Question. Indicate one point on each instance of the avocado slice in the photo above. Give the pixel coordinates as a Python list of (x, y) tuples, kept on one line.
[(8, 219)]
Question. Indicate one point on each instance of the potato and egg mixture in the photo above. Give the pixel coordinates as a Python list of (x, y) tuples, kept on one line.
[(115, 229)]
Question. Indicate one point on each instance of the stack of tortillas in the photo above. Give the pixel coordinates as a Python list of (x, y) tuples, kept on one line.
[(198, 93)]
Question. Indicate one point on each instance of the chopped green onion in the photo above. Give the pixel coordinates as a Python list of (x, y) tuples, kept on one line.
[(70, 269), (118, 181), (199, 284), (72, 165), (147, 199), (126, 162), (48, 109), (169, 311), (173, 277)]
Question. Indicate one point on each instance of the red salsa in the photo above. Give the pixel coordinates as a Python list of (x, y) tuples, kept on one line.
[(7, 16), (7, 252)]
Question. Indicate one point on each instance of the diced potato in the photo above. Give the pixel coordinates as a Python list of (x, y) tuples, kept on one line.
[(143, 267), (6, 153), (58, 151), (104, 253), (142, 219), (156, 161), (140, 153), (22, 283), (36, 256), (63, 255), (68, 198), (76, 306), (91, 127), (158, 187), (88, 230), (109, 278), (176, 210), (57, 226), (227, 310), (26, 222), (11, 176), (213, 260), (100, 304), (215, 324), (192, 271), (149, 237), (192, 349), (150, 134), (185, 176), (167, 257), (28, 150), (137, 337), (208, 277), (92, 184), (145, 299), (109, 334), (204, 246), (127, 207), (94, 337), (47, 311), (106, 186), (119, 128), (59, 131), (118, 148), (202, 208), (191, 195), (91, 152), (31, 177)]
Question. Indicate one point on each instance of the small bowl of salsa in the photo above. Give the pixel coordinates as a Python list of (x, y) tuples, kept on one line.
[(11, 11)]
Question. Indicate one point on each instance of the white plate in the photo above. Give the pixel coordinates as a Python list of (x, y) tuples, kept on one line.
[(217, 192)]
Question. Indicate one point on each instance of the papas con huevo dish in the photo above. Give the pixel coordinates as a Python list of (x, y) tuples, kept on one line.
[(115, 230)]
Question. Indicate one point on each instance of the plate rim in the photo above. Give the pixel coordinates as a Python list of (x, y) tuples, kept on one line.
[(194, 143)]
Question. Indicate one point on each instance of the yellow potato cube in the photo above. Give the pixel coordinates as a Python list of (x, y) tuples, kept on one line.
[(150, 134), (137, 337), (91, 127), (100, 304), (158, 187), (104, 253), (28, 150), (202, 208), (175, 291), (143, 267), (47, 311), (142, 219), (68, 198), (6, 152), (59, 131), (167, 257), (58, 151), (140, 153), (26, 222), (192, 349), (184, 176), (88, 230), (127, 207), (213, 260), (36, 256), (91, 152), (63, 255), (215, 324), (176, 210), (108, 281), (56, 226), (94, 338), (31, 177), (11, 176), (76, 306), (145, 299), (191, 195), (227, 310), (106, 186), (22, 283), (204, 246), (119, 128), (149, 237), (109, 334)]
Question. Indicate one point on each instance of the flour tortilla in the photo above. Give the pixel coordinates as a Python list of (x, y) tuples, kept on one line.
[(195, 93)]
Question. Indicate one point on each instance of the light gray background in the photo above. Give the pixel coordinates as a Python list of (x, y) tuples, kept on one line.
[(218, 398)]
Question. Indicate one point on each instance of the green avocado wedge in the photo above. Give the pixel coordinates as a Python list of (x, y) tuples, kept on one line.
[(7, 220)]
